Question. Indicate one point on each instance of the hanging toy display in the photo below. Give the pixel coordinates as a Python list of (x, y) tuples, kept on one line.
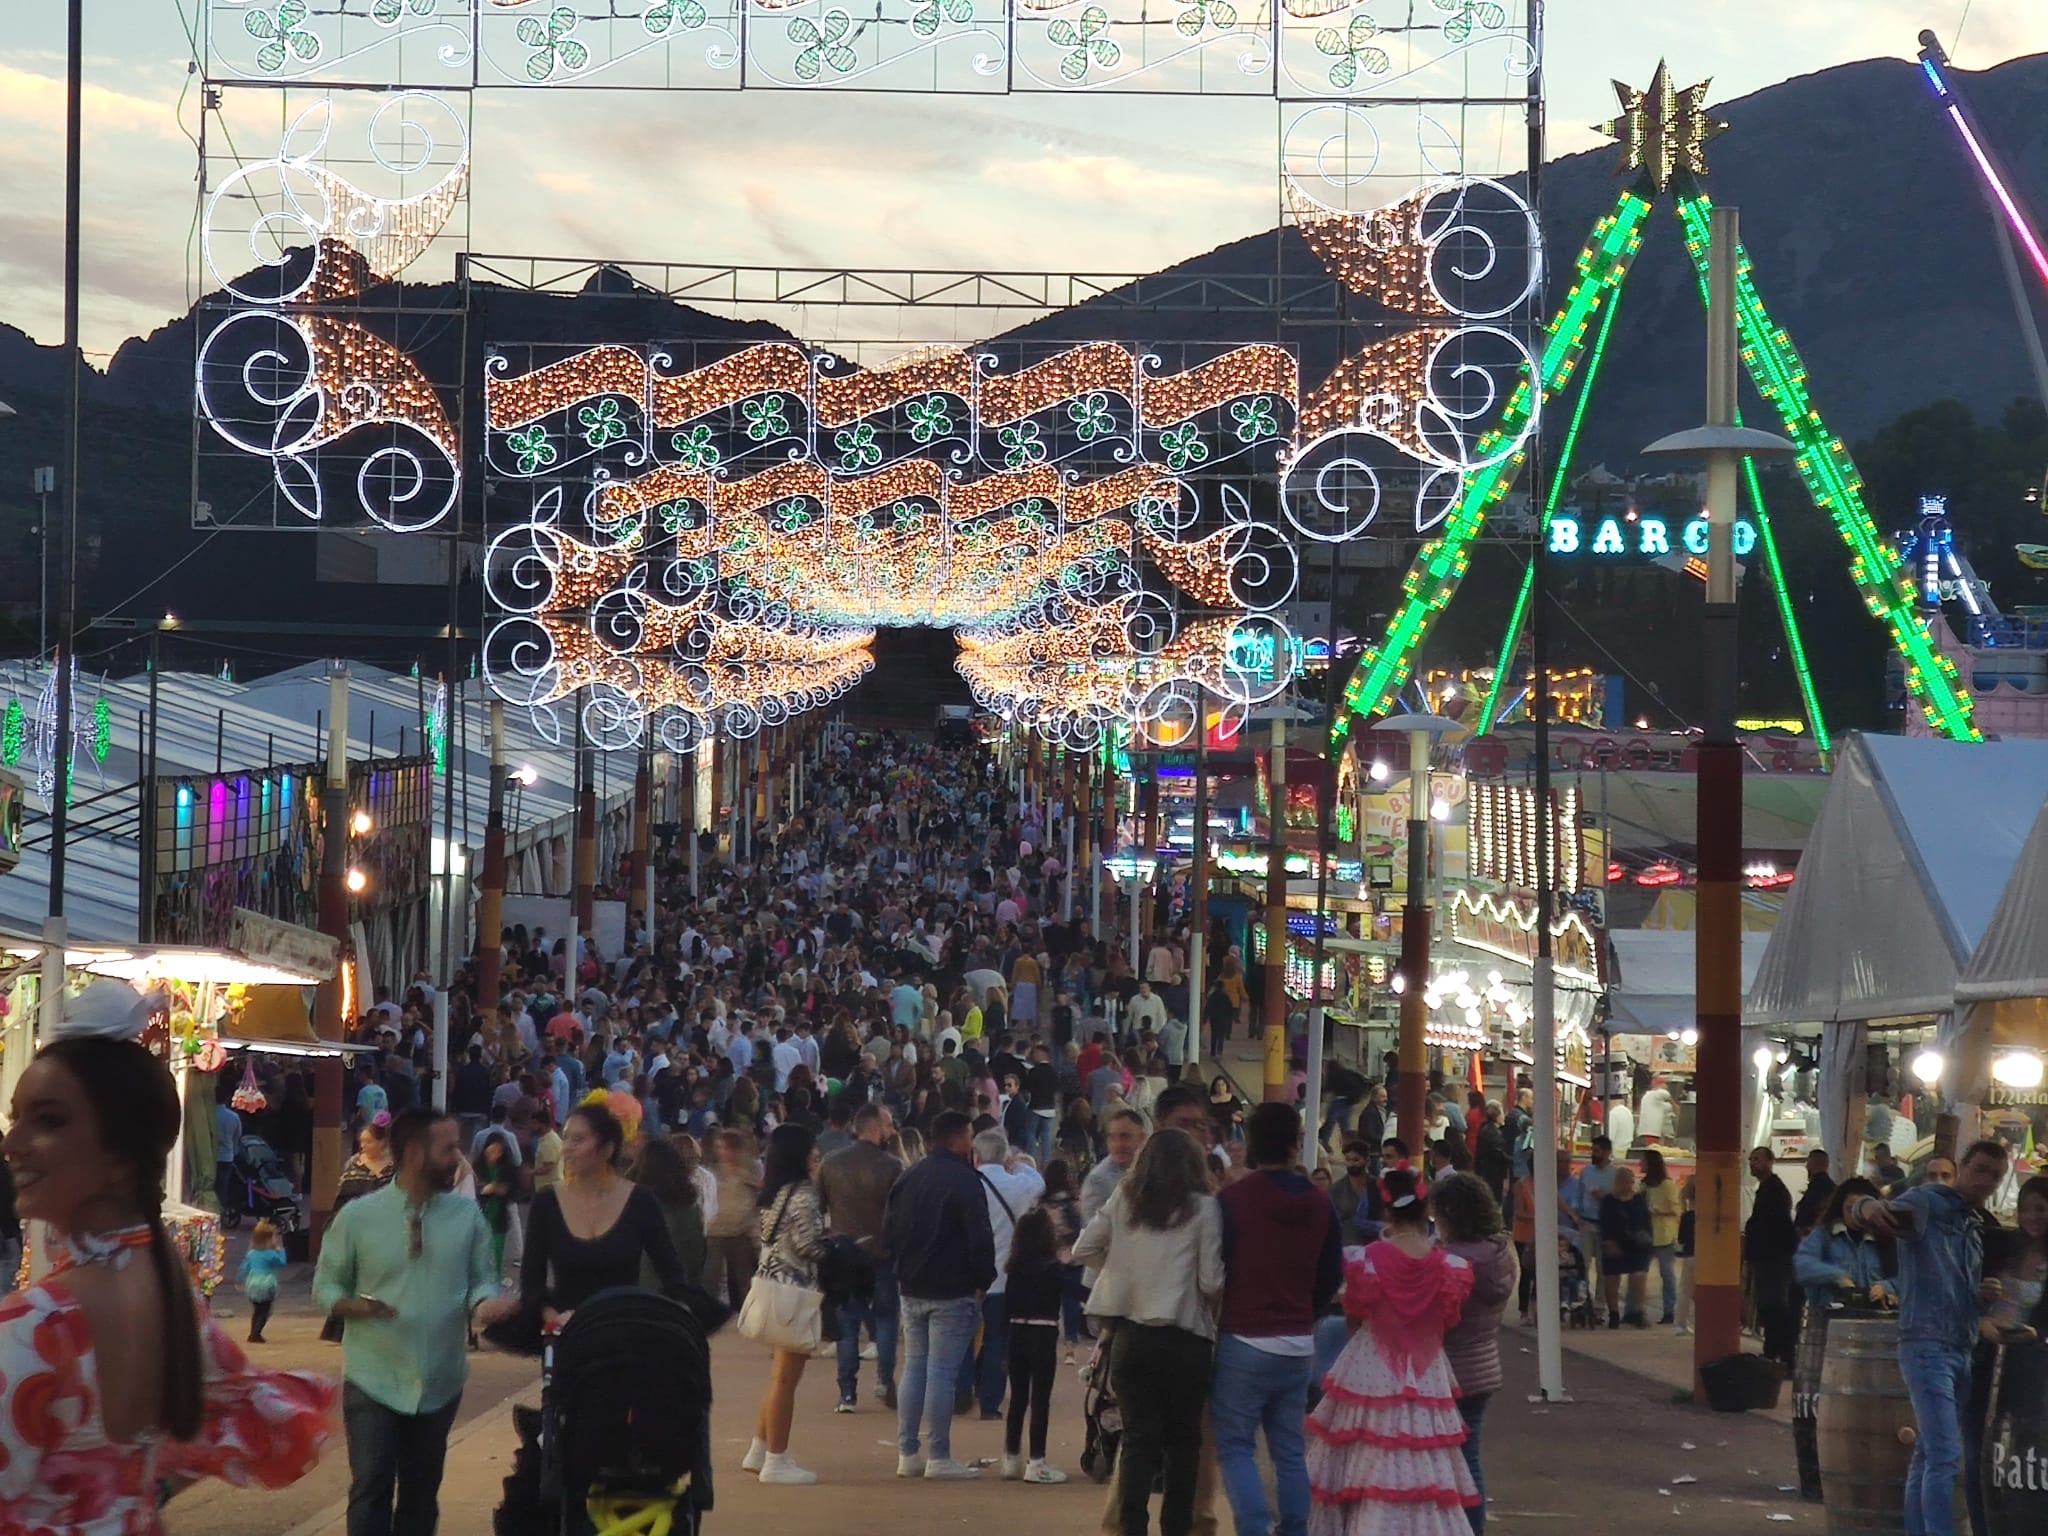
[(248, 1097)]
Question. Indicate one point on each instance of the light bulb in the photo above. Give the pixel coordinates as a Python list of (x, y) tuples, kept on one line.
[(2017, 1069), (359, 824), (1399, 983), (356, 880), (526, 774), (1439, 810), (1762, 1058), (1688, 1036), (1377, 773), (1927, 1067)]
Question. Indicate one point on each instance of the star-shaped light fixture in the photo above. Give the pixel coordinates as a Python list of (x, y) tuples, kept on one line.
[(1662, 130)]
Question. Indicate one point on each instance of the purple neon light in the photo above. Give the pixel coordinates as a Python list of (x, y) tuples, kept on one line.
[(2012, 209)]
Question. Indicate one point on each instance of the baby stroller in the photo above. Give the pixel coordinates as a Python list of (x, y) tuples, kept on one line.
[(1103, 1419), (1574, 1287), (621, 1443), (257, 1186)]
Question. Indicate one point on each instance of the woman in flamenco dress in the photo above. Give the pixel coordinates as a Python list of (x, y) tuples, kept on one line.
[(115, 1387), (1383, 1447)]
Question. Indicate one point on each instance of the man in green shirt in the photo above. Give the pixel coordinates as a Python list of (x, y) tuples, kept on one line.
[(407, 1269)]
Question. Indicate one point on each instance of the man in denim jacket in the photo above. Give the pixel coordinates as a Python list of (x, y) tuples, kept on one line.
[(1941, 1295)]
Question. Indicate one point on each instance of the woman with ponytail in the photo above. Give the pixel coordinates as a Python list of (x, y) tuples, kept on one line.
[(114, 1380)]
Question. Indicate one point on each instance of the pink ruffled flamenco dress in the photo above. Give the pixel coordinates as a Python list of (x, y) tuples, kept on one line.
[(1383, 1444)]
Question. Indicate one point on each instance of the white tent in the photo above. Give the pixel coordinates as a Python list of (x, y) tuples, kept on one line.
[(2002, 998), (1653, 981), (1915, 840)]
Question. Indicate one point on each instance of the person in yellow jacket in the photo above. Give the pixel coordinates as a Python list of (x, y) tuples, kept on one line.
[(1666, 1206)]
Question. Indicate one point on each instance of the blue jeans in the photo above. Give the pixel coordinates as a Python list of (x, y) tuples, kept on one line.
[(878, 1312), (1472, 1410), (1938, 1381), (1666, 1256), (937, 1337), (1073, 1297), (392, 1453), (1041, 1132), (1341, 1115), (987, 1376), (1253, 1390)]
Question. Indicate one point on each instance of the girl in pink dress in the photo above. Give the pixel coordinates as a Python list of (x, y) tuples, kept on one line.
[(113, 1382), (1383, 1450)]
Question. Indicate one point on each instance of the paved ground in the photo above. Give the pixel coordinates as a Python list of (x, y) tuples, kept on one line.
[(1621, 1457)]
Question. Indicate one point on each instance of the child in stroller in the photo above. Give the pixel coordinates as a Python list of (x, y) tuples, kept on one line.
[(258, 1186), (1574, 1286), (621, 1443)]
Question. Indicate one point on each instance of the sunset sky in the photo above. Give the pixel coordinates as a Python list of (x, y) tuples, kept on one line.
[(1031, 183)]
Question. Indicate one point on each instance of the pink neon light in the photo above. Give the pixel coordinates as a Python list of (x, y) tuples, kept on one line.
[(2012, 209)]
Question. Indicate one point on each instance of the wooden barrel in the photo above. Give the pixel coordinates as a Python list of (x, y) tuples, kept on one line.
[(1865, 1428), (2015, 1469)]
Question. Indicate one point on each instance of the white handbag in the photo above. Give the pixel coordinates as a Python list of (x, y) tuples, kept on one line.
[(781, 1313)]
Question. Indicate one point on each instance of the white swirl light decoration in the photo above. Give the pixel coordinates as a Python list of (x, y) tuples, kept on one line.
[(1328, 152), (255, 383), (301, 202), (1456, 212), (1451, 425)]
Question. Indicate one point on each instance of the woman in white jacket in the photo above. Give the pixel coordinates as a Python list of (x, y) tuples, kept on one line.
[(1157, 1249)]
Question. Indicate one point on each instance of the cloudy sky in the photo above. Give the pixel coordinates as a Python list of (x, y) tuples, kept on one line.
[(1027, 183)]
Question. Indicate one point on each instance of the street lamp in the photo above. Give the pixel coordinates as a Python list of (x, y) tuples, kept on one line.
[(1717, 1077), (1423, 732)]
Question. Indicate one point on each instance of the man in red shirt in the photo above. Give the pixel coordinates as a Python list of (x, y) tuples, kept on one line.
[(1091, 1056), (1282, 1264)]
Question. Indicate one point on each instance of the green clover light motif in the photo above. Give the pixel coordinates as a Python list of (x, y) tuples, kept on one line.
[(930, 418), (765, 418), (1220, 14), (677, 15), (1468, 16), (857, 447), (678, 516), (1087, 40), (695, 448), (285, 33), (1021, 445), (600, 423), (1352, 52), (822, 48), (1255, 419), (532, 447), (552, 44), (926, 20), (386, 12), (1183, 446), (1091, 417), (792, 516)]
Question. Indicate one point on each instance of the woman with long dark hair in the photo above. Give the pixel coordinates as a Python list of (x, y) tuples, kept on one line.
[(667, 1172), (1836, 1268), (1157, 1247), (792, 1241), (1667, 1205), (594, 1230), (1468, 1226), (115, 1380)]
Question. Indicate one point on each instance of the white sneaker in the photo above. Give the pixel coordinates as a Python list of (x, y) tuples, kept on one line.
[(1039, 1472), (947, 1469), (780, 1469), (1013, 1468), (910, 1466), (868, 1351), (757, 1453)]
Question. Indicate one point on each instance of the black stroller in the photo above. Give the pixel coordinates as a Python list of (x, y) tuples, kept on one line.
[(1103, 1419), (621, 1443), (258, 1186)]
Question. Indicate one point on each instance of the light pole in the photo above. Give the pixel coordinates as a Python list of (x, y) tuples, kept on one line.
[(1718, 977), (1422, 732)]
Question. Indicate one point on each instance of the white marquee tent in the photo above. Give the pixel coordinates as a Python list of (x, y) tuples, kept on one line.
[(1915, 841)]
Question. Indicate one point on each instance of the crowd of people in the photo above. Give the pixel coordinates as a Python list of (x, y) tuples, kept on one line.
[(871, 1096)]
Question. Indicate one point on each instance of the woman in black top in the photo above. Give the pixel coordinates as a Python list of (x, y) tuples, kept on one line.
[(592, 1231)]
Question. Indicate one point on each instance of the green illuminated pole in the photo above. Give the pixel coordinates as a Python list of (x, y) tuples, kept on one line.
[(1440, 565), (1832, 478), (1560, 473)]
